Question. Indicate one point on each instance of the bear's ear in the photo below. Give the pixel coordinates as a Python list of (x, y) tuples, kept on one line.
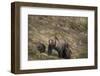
[(49, 41)]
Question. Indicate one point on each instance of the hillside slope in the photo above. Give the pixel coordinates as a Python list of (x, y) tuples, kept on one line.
[(72, 29)]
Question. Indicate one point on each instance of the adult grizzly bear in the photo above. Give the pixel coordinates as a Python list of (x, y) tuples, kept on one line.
[(61, 46)]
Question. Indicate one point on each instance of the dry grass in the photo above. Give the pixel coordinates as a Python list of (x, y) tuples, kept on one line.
[(72, 29)]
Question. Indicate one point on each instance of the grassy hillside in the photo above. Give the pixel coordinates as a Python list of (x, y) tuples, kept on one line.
[(72, 29)]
